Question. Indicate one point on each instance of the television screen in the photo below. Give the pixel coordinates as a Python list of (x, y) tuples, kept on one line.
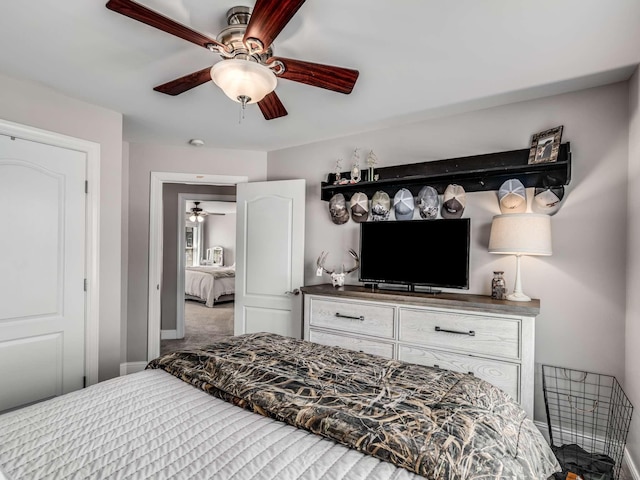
[(433, 253)]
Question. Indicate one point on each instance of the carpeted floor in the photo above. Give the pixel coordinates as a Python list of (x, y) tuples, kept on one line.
[(203, 325)]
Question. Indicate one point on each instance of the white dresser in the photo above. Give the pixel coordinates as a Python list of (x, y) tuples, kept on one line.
[(491, 339)]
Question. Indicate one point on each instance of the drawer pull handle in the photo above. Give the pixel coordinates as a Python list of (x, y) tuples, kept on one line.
[(339, 315), (471, 333)]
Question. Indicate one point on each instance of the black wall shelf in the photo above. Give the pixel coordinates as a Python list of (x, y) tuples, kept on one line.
[(476, 173)]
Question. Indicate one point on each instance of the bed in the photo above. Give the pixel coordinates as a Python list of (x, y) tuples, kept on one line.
[(262, 406), (210, 284)]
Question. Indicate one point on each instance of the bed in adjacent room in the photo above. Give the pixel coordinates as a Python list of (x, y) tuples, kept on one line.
[(210, 284), (262, 406)]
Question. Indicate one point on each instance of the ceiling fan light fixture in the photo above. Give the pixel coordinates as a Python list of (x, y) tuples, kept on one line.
[(243, 81)]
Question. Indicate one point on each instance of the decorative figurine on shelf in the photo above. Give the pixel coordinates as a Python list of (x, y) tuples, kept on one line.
[(498, 286), (338, 171), (371, 163), (355, 169)]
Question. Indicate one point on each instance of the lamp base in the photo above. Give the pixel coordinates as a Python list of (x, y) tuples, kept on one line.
[(518, 297)]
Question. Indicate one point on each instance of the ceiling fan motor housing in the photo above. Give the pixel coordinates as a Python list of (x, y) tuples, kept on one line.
[(232, 36)]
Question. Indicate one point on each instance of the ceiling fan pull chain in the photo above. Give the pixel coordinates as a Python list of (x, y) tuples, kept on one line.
[(243, 104)]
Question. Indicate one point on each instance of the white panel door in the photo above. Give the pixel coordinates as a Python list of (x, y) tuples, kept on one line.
[(42, 270), (270, 257)]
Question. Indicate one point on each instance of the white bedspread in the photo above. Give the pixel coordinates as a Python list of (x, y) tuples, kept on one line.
[(200, 282), (151, 425)]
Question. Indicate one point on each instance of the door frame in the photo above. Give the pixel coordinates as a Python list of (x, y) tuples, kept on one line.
[(183, 198), (92, 230), (155, 242)]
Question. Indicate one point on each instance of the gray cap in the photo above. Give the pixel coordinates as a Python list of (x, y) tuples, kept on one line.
[(403, 204), (359, 207), (380, 206), (453, 201), (428, 203), (547, 200), (338, 209), (512, 197)]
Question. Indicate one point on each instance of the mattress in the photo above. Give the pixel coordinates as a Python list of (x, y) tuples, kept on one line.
[(151, 425)]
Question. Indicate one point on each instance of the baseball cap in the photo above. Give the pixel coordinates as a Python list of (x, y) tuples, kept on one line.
[(453, 201), (338, 209), (547, 199), (512, 197), (359, 207), (428, 203), (403, 204), (380, 206)]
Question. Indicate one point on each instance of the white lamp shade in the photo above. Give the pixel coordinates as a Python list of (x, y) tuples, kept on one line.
[(521, 234), (238, 78)]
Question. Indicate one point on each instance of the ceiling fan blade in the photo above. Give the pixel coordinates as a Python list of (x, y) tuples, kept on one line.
[(182, 84), (268, 19), (271, 107), (143, 14), (333, 78)]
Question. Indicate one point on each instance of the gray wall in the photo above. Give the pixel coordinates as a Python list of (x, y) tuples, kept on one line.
[(144, 159), (32, 104), (124, 260), (220, 230), (632, 361), (582, 286), (171, 224)]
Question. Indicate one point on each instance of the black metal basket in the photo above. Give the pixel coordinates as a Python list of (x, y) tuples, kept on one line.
[(588, 415)]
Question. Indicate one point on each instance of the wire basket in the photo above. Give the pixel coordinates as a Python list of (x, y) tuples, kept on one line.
[(588, 415)]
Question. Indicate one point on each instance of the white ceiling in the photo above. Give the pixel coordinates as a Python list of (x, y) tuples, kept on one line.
[(417, 58)]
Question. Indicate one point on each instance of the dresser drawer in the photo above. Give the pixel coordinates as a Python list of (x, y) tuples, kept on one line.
[(505, 376), (356, 317), (352, 343), (495, 337)]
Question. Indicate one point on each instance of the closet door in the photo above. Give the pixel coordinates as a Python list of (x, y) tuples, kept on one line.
[(42, 271)]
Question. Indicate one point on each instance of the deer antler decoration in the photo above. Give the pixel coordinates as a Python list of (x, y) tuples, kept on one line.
[(337, 279)]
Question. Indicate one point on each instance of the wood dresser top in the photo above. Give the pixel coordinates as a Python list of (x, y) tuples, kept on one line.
[(480, 303)]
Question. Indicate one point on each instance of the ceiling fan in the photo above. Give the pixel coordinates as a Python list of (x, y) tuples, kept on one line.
[(197, 214), (248, 72)]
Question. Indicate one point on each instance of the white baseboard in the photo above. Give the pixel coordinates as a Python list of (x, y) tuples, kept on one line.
[(626, 458), (132, 367), (632, 466), (168, 334)]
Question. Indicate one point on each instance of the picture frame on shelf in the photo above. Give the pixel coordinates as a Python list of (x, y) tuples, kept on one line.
[(545, 146)]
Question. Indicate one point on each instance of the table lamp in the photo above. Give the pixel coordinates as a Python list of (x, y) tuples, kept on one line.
[(520, 234)]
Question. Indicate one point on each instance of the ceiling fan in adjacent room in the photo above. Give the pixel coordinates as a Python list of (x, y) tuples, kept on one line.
[(196, 214), (249, 71)]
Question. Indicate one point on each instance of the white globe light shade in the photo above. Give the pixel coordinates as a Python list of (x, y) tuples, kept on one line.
[(192, 218), (243, 78), (200, 219)]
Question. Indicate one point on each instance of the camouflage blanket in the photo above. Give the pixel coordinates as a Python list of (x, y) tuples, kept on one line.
[(436, 423)]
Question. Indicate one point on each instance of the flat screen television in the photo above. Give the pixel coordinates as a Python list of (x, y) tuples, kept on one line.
[(433, 253)]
